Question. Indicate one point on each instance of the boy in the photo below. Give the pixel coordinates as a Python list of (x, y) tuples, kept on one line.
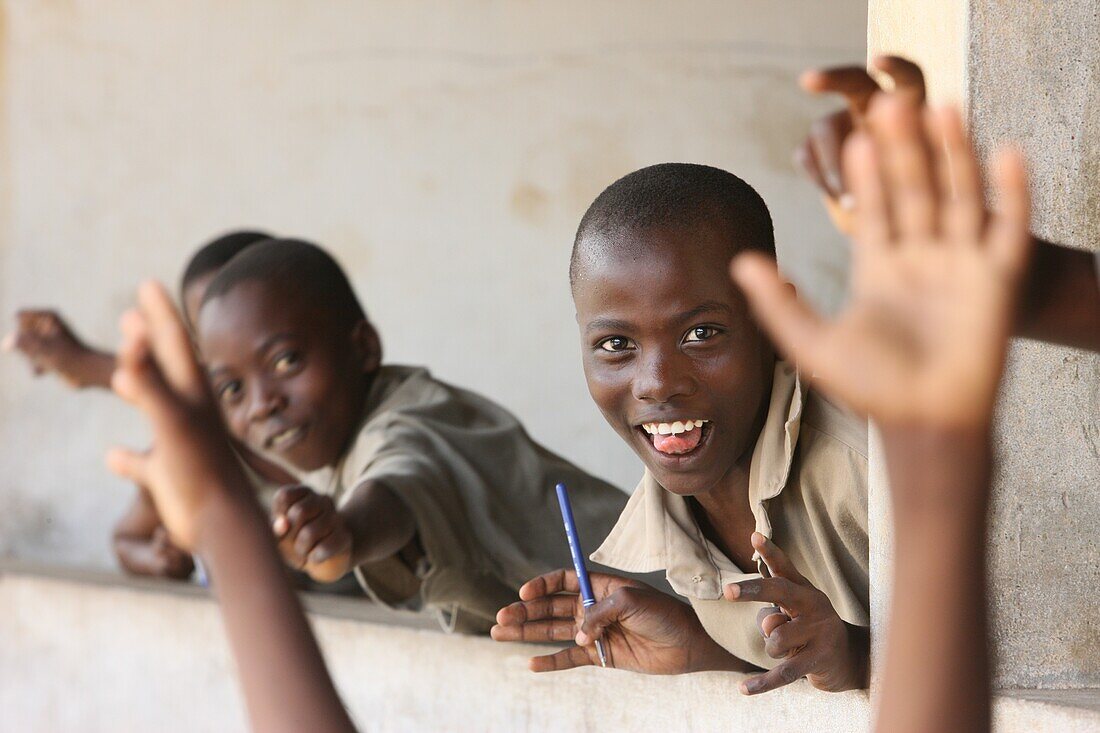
[(433, 495), (140, 541), (738, 453)]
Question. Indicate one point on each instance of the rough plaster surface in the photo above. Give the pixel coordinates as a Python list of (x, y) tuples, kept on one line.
[(77, 656), (1036, 80), (444, 151)]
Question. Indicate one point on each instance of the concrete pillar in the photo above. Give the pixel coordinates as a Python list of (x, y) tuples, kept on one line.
[(1027, 72)]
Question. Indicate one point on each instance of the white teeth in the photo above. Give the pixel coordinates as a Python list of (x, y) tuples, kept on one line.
[(673, 428), (280, 438)]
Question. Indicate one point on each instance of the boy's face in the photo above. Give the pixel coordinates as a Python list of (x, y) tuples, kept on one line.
[(666, 338), (288, 384)]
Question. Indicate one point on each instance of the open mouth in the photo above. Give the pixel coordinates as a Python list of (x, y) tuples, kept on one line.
[(284, 438), (679, 438)]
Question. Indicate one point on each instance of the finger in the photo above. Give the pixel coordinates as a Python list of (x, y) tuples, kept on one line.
[(537, 631), (783, 674), (793, 325), (170, 343), (555, 581), (907, 77), (906, 165), (786, 639), (826, 137), (960, 178), (540, 609), (1009, 234), (863, 174), (853, 82), (766, 611), (285, 498), (806, 160), (314, 531), (303, 512), (8, 344), (779, 591), (128, 464), (772, 621), (565, 659), (620, 605), (136, 377), (335, 544), (776, 560)]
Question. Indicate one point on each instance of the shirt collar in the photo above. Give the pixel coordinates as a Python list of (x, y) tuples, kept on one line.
[(658, 531)]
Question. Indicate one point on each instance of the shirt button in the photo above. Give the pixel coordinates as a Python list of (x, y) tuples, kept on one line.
[(697, 579)]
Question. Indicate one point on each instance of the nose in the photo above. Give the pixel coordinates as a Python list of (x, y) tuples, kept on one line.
[(663, 376), (264, 401)]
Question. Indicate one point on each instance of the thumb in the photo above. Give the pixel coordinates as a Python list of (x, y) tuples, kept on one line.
[(612, 609), (8, 344)]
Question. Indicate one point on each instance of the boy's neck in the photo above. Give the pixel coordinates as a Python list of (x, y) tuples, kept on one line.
[(725, 516), (725, 513)]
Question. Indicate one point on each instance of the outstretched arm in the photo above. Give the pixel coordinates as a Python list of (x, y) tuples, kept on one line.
[(207, 505), (1061, 302), (52, 348), (1061, 296), (920, 348)]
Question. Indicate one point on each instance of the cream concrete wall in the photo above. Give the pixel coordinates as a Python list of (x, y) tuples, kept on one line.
[(1029, 72), (75, 655), (443, 150)]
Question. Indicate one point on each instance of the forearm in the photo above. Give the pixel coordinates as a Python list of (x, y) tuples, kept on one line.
[(286, 685), (1061, 302), (380, 523), (936, 674)]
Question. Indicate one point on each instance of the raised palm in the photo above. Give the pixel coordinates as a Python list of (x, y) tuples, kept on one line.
[(934, 280)]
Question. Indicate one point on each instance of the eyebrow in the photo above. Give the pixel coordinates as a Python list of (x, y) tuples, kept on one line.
[(710, 306), (615, 324)]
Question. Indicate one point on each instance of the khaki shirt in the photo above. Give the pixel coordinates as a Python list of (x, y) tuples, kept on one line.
[(481, 492), (807, 491)]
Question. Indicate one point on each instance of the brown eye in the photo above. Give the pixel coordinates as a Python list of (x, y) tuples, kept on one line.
[(229, 391), (700, 333), (615, 344), (285, 362)]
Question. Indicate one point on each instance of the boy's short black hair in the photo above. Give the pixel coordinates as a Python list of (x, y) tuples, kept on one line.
[(677, 195), (302, 271), (215, 253)]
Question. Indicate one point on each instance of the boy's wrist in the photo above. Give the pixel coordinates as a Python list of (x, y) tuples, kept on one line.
[(938, 470), (224, 510), (93, 368)]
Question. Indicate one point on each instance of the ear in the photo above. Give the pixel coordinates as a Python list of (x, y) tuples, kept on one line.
[(367, 345)]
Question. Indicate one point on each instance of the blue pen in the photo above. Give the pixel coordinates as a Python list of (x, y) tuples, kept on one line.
[(578, 559)]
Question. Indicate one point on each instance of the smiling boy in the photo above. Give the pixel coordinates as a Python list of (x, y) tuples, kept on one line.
[(741, 458), (436, 497)]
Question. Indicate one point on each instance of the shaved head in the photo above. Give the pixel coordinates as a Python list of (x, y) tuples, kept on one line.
[(673, 196)]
